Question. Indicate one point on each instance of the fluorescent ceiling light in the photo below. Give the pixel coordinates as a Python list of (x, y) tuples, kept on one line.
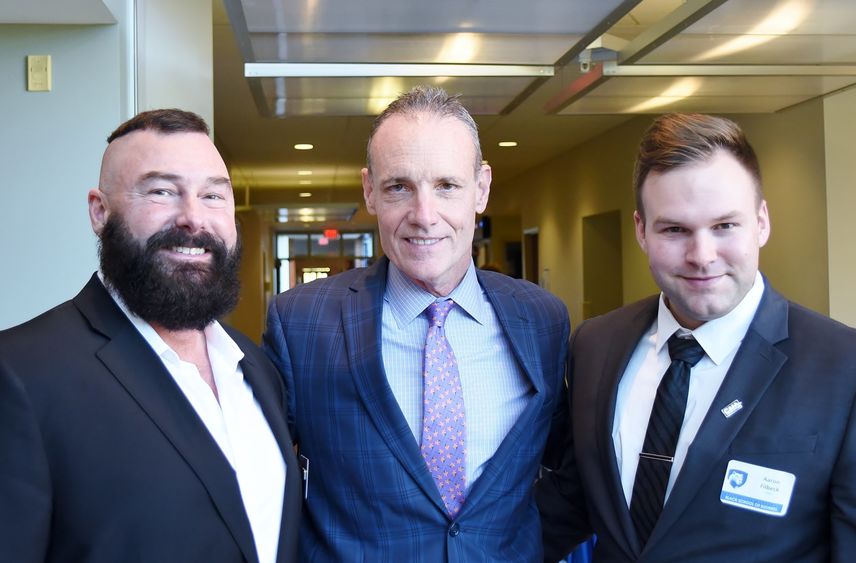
[(782, 20), (304, 146), (304, 172), (508, 143), (612, 69), (305, 182), (459, 48), (343, 70), (680, 89), (305, 194)]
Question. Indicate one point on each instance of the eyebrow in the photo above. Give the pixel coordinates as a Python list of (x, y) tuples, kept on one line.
[(722, 218), (177, 179), (406, 180)]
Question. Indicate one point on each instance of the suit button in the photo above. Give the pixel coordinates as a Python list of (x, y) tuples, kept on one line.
[(454, 530)]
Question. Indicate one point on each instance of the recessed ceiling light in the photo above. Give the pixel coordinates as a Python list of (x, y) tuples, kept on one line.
[(304, 172), (304, 147), (305, 194), (508, 143), (304, 182)]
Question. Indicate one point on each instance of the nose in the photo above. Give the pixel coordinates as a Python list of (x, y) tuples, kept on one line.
[(190, 214), (423, 211), (702, 250)]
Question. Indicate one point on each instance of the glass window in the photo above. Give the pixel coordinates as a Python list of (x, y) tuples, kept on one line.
[(323, 246)]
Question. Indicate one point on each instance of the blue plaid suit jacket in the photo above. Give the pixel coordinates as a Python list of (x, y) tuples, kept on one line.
[(370, 495)]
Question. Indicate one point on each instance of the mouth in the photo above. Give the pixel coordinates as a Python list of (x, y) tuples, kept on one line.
[(188, 250), (422, 241), (701, 281)]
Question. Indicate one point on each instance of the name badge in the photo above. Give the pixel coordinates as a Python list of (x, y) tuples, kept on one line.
[(757, 488)]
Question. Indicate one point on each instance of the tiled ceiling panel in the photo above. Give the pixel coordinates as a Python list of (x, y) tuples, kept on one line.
[(359, 96), (417, 16), (766, 35), (720, 94), (461, 32), (417, 48)]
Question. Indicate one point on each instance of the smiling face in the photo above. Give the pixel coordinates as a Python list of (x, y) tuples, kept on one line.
[(702, 232), (157, 181), (164, 215), (425, 192)]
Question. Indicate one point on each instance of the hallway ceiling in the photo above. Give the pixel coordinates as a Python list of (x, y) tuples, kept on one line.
[(560, 72)]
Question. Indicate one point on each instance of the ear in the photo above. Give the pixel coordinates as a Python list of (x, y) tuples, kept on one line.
[(764, 227), (639, 222), (483, 187), (368, 191), (99, 210)]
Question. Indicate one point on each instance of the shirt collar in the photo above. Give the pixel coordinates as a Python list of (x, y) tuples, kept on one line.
[(719, 337), (222, 349), (407, 300)]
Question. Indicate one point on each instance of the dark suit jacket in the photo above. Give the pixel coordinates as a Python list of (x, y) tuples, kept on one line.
[(103, 459), (371, 496), (795, 373)]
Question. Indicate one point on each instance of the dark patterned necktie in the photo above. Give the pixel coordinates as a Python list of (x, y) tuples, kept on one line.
[(444, 437), (664, 426)]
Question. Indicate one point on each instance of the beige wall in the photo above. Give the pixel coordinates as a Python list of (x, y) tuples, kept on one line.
[(840, 120), (596, 177), (175, 54), (256, 275), (790, 147)]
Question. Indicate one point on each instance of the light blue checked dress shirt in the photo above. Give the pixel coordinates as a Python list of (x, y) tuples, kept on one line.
[(495, 389)]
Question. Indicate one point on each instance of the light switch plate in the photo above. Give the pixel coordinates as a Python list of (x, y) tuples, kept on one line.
[(38, 73)]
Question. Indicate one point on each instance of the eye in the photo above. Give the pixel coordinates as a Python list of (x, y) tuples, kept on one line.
[(674, 229), (161, 192), (725, 226), (396, 189)]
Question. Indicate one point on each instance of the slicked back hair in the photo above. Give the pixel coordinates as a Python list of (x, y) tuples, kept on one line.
[(681, 139), (163, 121), (432, 101)]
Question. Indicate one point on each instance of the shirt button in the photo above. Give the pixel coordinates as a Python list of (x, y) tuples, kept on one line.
[(454, 530)]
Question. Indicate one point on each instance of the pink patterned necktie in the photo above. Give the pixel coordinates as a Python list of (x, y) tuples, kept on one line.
[(444, 431)]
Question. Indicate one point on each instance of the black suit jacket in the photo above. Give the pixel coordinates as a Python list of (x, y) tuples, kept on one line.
[(795, 374), (103, 459)]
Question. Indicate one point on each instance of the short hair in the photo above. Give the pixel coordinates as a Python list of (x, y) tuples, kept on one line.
[(680, 139), (432, 101), (163, 121)]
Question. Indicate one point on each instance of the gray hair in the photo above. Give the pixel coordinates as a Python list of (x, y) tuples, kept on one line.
[(427, 100)]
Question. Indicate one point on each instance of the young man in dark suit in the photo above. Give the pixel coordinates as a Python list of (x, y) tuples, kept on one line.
[(133, 426), (715, 421)]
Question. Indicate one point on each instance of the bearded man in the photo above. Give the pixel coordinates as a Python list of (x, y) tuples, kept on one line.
[(133, 425)]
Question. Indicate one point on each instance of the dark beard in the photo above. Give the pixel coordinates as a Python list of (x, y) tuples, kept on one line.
[(173, 295)]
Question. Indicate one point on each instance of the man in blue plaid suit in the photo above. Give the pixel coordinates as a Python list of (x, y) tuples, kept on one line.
[(350, 349)]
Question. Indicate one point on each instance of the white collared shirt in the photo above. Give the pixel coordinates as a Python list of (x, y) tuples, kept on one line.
[(236, 423), (637, 389)]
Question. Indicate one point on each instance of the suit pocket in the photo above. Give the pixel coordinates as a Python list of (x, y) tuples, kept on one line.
[(774, 445)]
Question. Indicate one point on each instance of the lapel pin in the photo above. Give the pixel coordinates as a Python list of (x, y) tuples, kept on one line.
[(732, 408)]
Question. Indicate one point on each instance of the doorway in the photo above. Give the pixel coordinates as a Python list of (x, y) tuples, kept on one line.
[(603, 289), (530, 256)]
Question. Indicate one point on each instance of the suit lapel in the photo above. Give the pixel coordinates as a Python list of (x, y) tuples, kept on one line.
[(755, 366), (618, 353), (516, 326), (141, 373), (362, 314)]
